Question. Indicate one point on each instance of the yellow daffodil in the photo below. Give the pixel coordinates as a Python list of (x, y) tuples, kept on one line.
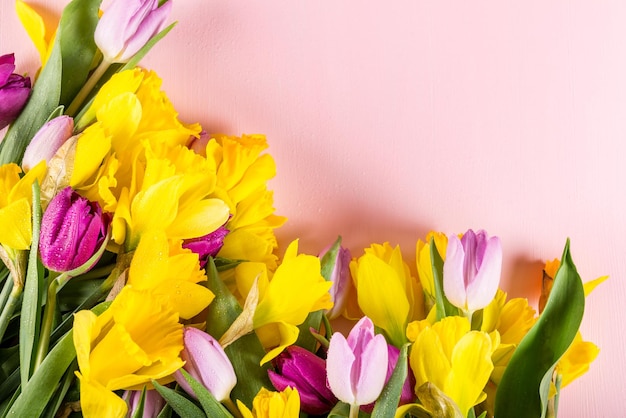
[(424, 264), (138, 338), (267, 404), (296, 289), (169, 270), (386, 291), (242, 173), (15, 205), (36, 30), (453, 358)]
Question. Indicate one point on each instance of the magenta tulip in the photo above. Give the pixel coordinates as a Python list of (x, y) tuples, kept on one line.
[(471, 272), (14, 90), (73, 229), (208, 245), (127, 25), (206, 361), (47, 141), (357, 367), (299, 368)]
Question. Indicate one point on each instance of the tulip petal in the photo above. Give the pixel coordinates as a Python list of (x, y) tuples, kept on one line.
[(373, 360), (482, 290), (453, 278), (339, 362)]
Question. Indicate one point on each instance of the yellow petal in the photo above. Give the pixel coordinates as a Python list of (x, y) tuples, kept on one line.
[(97, 401), (279, 335), (200, 219), (428, 360), (16, 225), (382, 297), (91, 148), (590, 286), (35, 28)]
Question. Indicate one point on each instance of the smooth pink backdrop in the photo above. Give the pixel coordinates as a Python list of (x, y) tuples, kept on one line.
[(387, 121)]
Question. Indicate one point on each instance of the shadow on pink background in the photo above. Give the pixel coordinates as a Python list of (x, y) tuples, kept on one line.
[(387, 121)]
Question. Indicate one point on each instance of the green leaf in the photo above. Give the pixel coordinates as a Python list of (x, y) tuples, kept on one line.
[(30, 318), (59, 396), (342, 410), (181, 405), (42, 385), (305, 338), (523, 390), (60, 79), (246, 353), (443, 305), (389, 399), (211, 406), (142, 401)]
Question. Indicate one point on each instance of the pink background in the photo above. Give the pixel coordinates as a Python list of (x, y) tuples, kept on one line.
[(387, 121)]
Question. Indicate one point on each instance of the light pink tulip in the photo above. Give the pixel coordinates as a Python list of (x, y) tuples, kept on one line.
[(471, 272), (127, 25), (357, 367), (342, 281), (47, 141), (206, 361)]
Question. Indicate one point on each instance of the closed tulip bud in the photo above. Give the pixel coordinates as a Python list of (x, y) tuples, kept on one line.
[(73, 229), (299, 368), (47, 141), (153, 403), (471, 272), (14, 90), (357, 367), (127, 25), (342, 281), (208, 245), (206, 361)]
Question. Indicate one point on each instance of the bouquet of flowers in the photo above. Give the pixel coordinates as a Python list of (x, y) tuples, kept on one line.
[(142, 276)]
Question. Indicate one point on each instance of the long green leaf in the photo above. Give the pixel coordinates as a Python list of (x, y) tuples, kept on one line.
[(443, 306), (181, 405), (59, 80), (30, 318), (523, 390), (389, 399), (246, 353), (211, 406)]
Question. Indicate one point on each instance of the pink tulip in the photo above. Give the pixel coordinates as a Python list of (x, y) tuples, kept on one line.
[(342, 281), (206, 361), (127, 25), (153, 403), (14, 90), (357, 367), (208, 245), (47, 141), (72, 230), (471, 272)]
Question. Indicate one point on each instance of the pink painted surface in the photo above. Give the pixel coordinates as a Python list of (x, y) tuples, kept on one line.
[(387, 121)]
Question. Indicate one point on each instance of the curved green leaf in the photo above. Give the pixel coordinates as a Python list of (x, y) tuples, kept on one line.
[(443, 305), (389, 399), (181, 405), (211, 406), (523, 391)]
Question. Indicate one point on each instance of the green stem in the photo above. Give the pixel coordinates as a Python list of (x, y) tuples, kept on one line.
[(46, 325), (87, 87), (6, 291), (354, 411), (232, 408), (9, 307)]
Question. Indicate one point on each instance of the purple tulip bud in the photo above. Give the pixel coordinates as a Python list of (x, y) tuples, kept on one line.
[(72, 230), (127, 25), (47, 141), (357, 367), (303, 370), (208, 245), (206, 361), (153, 403), (341, 279), (471, 272), (198, 145), (14, 90)]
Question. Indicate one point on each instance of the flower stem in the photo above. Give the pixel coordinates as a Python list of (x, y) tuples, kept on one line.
[(46, 325), (9, 306), (354, 411), (87, 87), (232, 408)]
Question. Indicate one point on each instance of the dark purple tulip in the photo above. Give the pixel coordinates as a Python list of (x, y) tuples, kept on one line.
[(14, 90), (299, 368), (72, 230), (208, 245)]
